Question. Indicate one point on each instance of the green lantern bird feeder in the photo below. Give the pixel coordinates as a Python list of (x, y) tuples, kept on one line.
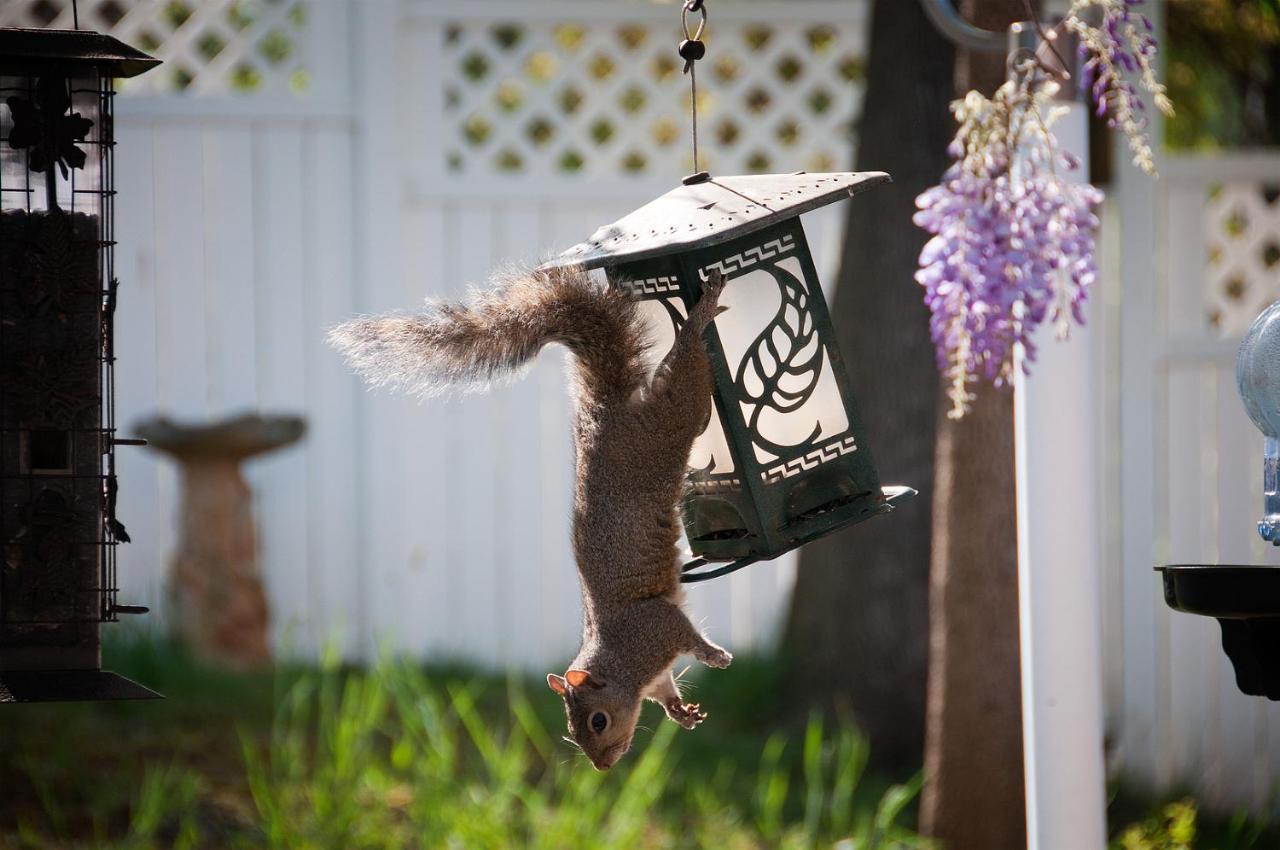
[(784, 459), (58, 527)]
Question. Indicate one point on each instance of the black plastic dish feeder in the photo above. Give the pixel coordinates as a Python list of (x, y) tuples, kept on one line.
[(1245, 600)]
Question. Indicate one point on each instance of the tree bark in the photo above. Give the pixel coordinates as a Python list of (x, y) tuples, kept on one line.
[(974, 791), (857, 634)]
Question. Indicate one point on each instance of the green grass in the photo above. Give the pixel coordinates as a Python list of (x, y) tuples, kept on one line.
[(1173, 822), (403, 757)]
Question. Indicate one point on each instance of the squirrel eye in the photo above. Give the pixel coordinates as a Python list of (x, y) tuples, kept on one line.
[(599, 721)]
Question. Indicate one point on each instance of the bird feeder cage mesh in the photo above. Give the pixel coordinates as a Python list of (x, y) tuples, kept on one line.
[(57, 418)]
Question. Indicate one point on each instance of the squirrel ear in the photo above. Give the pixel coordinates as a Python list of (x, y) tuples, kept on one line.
[(557, 683), (579, 678)]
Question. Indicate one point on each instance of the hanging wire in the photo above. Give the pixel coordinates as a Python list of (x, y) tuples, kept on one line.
[(691, 50), (75, 14)]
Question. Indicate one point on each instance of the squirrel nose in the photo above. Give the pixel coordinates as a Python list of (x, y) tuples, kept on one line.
[(601, 766)]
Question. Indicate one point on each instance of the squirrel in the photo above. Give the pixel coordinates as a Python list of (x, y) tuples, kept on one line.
[(632, 435)]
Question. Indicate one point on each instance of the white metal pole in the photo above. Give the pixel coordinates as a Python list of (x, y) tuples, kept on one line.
[(1059, 582)]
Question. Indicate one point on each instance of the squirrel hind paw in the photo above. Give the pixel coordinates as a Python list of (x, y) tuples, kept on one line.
[(714, 656)]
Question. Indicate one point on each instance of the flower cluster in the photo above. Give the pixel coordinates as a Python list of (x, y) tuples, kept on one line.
[(1116, 40), (1012, 242), (1013, 234)]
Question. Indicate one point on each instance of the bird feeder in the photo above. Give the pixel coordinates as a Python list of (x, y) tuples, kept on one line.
[(57, 295), (784, 458), (1245, 600)]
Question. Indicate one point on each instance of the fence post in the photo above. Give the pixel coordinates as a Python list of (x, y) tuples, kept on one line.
[(1059, 572)]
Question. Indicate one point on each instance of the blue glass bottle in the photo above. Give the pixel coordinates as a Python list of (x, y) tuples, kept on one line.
[(1258, 379)]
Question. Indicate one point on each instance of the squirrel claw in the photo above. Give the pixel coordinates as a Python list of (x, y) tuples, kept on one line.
[(687, 715)]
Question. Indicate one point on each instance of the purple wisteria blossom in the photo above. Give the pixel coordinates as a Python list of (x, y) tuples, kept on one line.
[(1013, 233), (1013, 240)]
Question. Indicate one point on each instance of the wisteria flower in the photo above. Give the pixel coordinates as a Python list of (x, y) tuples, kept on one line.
[(1117, 43), (1012, 234), (1013, 240)]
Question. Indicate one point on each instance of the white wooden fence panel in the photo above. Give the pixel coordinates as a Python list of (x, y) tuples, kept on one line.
[(219, 314), (229, 274), (333, 494), (1183, 723), (142, 573)]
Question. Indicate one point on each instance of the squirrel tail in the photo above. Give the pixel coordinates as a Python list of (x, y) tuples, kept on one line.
[(496, 334)]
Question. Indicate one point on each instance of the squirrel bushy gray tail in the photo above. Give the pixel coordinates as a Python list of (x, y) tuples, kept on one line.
[(494, 336)]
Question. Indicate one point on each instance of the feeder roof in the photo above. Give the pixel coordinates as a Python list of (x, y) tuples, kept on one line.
[(22, 49), (706, 212)]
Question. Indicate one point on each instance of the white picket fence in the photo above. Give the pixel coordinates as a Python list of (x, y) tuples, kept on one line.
[(437, 139)]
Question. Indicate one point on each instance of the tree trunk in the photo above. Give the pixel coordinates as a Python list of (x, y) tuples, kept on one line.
[(974, 793), (857, 635)]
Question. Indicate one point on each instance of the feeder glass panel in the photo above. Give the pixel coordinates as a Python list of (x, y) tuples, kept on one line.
[(53, 139)]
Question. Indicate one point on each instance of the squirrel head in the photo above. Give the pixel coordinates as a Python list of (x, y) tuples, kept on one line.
[(602, 714)]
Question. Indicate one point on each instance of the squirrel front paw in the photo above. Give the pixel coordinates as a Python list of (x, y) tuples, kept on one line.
[(707, 308), (713, 656), (687, 715), (714, 285)]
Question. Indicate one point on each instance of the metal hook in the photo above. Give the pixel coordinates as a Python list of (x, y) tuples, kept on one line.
[(693, 6), (944, 16)]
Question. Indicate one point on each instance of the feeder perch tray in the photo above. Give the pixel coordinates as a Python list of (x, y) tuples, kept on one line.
[(702, 569), (69, 686), (1245, 600)]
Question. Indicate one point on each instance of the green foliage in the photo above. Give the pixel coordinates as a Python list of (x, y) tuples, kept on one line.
[(165, 810), (1173, 823), (394, 759), (1223, 73), (401, 756), (1172, 828)]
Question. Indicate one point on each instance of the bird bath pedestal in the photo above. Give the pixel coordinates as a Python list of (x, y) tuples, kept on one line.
[(218, 605)]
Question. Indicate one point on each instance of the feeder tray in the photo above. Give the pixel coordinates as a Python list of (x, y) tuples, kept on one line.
[(702, 569), (1245, 600), (69, 686)]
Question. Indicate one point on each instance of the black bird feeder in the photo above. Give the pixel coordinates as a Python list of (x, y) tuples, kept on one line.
[(57, 422), (1245, 600)]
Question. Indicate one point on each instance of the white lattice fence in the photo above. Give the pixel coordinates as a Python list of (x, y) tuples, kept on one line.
[(209, 47), (1242, 230), (556, 89)]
